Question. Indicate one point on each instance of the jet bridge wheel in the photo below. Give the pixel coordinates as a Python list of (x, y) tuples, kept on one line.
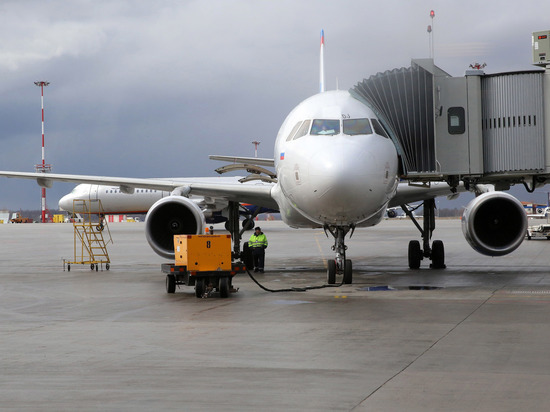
[(415, 254), (438, 255)]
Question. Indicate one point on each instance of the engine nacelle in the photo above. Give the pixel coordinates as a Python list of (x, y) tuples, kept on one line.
[(494, 223), (172, 215)]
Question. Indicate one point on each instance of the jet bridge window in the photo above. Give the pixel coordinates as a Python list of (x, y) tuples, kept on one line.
[(325, 127), (456, 120), (353, 127)]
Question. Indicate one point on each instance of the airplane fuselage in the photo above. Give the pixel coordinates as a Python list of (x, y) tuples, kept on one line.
[(332, 166), (112, 199)]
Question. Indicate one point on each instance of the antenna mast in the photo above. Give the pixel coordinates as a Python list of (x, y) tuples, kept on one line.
[(256, 144), (43, 168)]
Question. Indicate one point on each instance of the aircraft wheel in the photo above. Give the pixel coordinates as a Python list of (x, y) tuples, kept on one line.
[(224, 287), (438, 255), (199, 288), (170, 284), (348, 272), (331, 272), (415, 254), (248, 224)]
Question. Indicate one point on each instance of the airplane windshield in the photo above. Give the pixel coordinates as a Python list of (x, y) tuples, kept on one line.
[(325, 127), (378, 128), (302, 131), (354, 127)]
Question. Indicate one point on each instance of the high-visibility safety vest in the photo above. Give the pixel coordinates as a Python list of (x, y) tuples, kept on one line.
[(257, 241)]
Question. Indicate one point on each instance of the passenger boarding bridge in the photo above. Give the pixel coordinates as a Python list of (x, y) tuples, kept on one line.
[(480, 128)]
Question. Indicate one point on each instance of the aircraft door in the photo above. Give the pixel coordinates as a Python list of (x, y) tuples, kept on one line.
[(94, 189)]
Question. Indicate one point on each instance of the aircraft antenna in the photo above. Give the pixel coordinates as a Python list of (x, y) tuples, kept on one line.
[(43, 168), (322, 64)]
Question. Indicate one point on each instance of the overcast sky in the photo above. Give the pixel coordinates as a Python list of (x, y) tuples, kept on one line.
[(151, 88)]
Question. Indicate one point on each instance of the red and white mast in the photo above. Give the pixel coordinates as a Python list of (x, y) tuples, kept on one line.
[(43, 168), (255, 143)]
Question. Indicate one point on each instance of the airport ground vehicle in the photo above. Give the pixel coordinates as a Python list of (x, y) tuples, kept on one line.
[(205, 282), (203, 261), (20, 219), (542, 230)]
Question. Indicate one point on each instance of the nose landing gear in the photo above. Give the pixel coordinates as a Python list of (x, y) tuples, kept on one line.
[(340, 265)]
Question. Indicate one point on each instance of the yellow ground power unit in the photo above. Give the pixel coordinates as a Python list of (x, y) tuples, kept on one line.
[(203, 252)]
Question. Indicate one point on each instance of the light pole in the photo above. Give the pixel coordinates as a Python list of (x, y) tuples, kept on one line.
[(43, 168), (256, 144)]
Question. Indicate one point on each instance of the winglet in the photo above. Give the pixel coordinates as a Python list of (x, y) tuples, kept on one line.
[(322, 64)]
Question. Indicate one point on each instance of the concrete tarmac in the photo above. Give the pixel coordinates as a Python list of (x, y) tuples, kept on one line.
[(472, 337)]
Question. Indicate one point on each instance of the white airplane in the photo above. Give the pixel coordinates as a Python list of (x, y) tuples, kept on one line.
[(335, 168), (113, 200)]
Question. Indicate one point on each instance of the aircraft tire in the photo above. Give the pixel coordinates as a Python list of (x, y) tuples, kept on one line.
[(248, 224), (415, 254), (438, 255), (331, 272), (348, 272), (170, 284)]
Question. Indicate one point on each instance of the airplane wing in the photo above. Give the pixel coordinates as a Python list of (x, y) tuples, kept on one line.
[(228, 188), (248, 160), (409, 193)]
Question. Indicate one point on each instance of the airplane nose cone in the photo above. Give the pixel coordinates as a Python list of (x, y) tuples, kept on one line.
[(66, 203), (348, 184)]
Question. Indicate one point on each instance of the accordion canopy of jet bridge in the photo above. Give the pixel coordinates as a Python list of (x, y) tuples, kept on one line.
[(478, 128)]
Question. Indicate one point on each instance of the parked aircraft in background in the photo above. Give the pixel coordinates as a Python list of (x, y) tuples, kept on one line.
[(114, 201), (335, 168)]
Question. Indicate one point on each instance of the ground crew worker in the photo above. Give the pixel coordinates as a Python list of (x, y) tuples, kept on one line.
[(258, 243)]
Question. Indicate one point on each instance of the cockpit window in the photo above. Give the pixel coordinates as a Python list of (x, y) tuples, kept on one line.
[(378, 129), (354, 127), (303, 129), (291, 135), (325, 127)]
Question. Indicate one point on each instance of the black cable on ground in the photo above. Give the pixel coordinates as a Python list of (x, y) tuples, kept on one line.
[(304, 289)]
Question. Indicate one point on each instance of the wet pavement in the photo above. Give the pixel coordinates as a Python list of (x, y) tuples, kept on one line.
[(474, 336)]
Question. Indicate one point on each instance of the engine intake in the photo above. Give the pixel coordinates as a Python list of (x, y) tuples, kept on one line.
[(494, 223), (173, 215)]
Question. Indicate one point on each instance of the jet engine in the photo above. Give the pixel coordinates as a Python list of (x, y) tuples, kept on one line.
[(172, 215), (494, 223)]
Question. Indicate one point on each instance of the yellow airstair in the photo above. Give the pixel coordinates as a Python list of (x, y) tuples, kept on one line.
[(90, 237)]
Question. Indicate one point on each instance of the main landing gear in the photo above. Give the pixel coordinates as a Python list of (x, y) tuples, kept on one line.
[(436, 253), (340, 265)]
